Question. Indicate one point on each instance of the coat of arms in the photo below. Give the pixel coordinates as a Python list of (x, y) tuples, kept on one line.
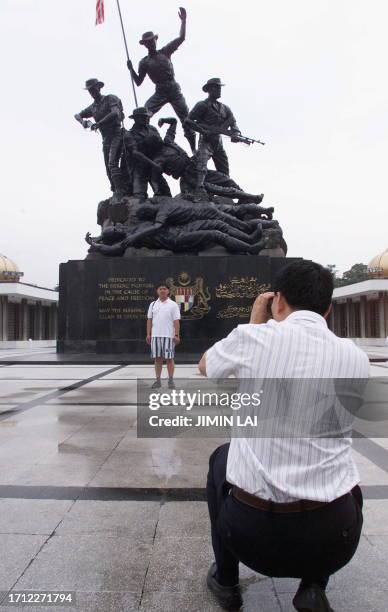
[(192, 299)]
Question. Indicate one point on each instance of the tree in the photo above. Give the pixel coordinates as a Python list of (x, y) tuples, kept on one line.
[(357, 273)]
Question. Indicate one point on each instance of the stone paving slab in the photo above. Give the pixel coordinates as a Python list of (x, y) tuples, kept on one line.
[(375, 518), (17, 550), (179, 565), (31, 516), (87, 562), (129, 520), (182, 520)]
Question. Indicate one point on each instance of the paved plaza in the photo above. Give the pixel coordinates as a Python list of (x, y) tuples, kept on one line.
[(85, 506)]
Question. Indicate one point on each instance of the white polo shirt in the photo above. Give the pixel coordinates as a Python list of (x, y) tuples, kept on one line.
[(163, 315), (293, 468)]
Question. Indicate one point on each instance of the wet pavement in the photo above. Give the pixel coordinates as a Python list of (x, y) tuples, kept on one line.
[(86, 506)]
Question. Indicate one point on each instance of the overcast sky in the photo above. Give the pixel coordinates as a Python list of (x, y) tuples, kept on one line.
[(307, 77)]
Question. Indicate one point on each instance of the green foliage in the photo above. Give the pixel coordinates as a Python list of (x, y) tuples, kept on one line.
[(357, 273)]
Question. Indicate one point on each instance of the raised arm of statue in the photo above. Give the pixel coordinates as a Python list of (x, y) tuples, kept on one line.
[(172, 46)]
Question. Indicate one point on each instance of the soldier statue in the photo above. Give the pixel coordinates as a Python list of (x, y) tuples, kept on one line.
[(211, 118), (107, 112), (157, 64), (195, 235), (179, 212), (174, 161), (141, 143)]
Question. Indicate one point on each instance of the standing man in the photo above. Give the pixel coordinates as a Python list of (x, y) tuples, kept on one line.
[(107, 112), (163, 324), (157, 64), (209, 117), (287, 506)]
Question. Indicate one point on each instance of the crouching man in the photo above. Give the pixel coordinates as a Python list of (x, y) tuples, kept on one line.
[(287, 506)]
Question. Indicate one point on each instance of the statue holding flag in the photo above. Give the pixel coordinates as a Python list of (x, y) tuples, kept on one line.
[(157, 64)]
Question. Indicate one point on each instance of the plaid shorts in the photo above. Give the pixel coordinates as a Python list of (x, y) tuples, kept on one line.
[(162, 347)]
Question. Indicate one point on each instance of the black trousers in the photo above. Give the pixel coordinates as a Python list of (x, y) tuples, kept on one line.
[(308, 545)]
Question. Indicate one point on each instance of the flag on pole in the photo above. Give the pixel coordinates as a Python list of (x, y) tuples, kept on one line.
[(100, 12)]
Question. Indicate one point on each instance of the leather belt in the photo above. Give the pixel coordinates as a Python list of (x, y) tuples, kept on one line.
[(302, 505)]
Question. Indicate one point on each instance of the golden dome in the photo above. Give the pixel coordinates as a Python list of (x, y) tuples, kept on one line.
[(9, 272), (378, 266)]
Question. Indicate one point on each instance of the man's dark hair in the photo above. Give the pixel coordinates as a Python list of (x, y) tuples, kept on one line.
[(162, 285), (305, 285)]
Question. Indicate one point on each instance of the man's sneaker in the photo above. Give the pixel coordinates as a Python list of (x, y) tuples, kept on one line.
[(229, 597), (157, 384), (171, 384), (311, 599)]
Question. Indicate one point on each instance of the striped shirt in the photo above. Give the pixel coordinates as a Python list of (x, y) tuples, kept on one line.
[(301, 346)]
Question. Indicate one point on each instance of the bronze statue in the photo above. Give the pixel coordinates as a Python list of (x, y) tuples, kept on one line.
[(192, 236), (157, 64), (174, 161), (210, 117), (141, 143), (167, 211), (107, 112)]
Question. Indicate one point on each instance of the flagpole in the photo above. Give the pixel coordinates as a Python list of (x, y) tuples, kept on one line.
[(126, 49)]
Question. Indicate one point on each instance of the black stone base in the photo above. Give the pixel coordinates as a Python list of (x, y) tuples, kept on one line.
[(103, 303)]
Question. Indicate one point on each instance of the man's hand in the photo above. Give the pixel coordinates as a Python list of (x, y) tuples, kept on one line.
[(94, 127), (129, 65), (235, 137), (260, 309), (148, 339), (88, 238), (176, 339), (182, 13)]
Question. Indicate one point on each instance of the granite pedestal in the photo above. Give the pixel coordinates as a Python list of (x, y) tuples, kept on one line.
[(103, 302)]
